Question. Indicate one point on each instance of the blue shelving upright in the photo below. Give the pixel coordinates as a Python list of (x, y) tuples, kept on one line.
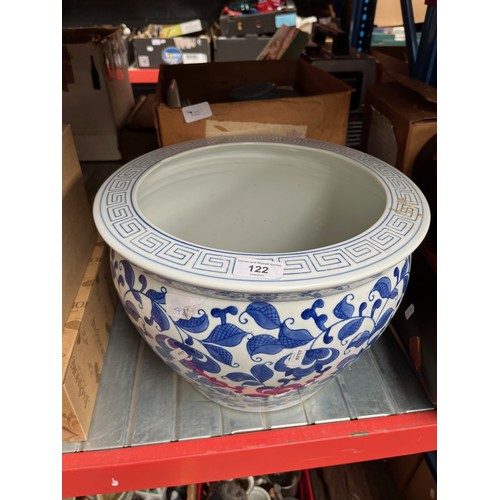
[(362, 16), (422, 56)]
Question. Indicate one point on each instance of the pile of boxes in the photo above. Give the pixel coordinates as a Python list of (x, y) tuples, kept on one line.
[(239, 35), (183, 43), (243, 36)]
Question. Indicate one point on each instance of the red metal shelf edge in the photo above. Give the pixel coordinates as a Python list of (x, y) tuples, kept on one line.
[(252, 453), (150, 75)]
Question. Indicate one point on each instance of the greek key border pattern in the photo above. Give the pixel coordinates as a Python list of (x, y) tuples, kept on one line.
[(147, 241)]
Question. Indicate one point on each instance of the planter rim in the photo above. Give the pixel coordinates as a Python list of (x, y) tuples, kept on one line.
[(395, 234)]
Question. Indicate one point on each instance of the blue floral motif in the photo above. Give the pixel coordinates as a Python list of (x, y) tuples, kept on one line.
[(267, 317), (139, 295), (315, 361), (207, 347)]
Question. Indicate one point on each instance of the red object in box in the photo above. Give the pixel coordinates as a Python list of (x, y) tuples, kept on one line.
[(268, 5), (265, 19)]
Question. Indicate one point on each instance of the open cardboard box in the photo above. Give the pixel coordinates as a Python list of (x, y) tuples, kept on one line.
[(313, 103), (400, 117), (97, 94)]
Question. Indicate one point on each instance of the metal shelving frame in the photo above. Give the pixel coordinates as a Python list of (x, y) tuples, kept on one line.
[(422, 57), (362, 16)]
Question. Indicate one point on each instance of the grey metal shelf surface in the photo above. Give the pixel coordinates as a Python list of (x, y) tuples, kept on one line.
[(142, 401)]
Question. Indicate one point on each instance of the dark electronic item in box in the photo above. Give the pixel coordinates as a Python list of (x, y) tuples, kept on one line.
[(232, 25), (152, 52), (357, 70), (242, 48)]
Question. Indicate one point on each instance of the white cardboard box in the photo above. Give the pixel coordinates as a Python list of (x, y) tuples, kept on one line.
[(97, 93)]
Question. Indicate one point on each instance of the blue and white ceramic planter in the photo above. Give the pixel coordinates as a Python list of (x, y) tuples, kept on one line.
[(259, 267)]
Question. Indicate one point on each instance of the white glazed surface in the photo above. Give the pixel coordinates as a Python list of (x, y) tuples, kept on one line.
[(338, 225), (229, 198)]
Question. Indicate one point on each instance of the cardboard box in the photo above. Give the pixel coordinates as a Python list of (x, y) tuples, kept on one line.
[(258, 24), (402, 469), (84, 343), (415, 322), (399, 118), (389, 13), (138, 135), (97, 94), (392, 60), (152, 52), (370, 480), (78, 228), (316, 105), (422, 485)]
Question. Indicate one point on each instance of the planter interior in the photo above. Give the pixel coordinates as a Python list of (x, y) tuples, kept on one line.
[(264, 199)]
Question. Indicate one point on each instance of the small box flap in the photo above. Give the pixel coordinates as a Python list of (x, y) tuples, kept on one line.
[(88, 35)]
